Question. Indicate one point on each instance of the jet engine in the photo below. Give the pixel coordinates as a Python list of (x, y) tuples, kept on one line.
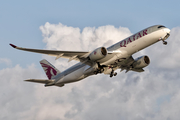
[(98, 54), (141, 62)]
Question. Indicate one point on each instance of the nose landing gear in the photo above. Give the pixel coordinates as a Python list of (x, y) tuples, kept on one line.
[(163, 39), (164, 42)]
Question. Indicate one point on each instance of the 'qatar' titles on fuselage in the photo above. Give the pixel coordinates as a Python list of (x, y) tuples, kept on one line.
[(123, 43), (135, 43), (126, 41)]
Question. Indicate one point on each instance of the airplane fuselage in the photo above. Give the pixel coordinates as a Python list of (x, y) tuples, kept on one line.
[(123, 50)]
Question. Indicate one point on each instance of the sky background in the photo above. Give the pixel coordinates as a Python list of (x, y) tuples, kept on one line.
[(86, 25)]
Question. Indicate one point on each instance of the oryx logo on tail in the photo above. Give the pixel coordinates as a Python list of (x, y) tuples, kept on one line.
[(49, 69)]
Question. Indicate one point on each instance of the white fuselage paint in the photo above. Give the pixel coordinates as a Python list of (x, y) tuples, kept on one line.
[(124, 49)]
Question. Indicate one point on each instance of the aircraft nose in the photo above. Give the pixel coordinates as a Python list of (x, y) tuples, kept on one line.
[(167, 30)]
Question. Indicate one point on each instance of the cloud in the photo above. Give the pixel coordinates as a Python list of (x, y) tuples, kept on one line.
[(16, 95), (63, 37), (151, 95), (5, 61)]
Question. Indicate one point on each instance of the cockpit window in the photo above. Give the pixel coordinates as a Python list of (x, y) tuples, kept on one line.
[(160, 26)]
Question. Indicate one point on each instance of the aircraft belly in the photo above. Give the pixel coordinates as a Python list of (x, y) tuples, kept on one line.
[(74, 76)]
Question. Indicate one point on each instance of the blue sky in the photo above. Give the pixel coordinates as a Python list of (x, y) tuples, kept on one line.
[(20, 20), (153, 94)]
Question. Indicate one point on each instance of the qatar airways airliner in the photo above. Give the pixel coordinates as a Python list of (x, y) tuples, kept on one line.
[(101, 60)]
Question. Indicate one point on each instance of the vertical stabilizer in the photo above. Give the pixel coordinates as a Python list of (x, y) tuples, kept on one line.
[(49, 69)]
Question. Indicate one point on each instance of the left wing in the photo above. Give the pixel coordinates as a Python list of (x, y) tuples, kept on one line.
[(127, 65), (71, 55)]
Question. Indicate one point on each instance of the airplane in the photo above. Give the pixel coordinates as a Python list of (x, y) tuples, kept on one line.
[(101, 60)]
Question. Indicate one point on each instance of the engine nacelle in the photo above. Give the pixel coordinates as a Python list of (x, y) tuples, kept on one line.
[(98, 54), (141, 62)]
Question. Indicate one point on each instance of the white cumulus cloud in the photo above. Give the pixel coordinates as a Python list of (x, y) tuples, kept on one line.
[(151, 95), (5, 61)]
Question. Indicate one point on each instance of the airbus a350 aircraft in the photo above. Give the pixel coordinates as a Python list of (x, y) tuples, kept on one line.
[(101, 60)]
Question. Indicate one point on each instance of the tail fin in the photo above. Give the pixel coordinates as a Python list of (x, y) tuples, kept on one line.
[(49, 69)]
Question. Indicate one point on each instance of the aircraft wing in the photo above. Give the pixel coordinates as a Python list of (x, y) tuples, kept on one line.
[(127, 66), (71, 55)]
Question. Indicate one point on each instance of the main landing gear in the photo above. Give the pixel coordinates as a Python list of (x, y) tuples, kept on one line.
[(100, 69), (113, 73)]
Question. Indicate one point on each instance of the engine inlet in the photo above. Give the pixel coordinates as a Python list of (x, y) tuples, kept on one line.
[(103, 51), (146, 59)]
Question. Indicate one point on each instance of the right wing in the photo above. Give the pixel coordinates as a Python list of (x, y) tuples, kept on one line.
[(71, 55)]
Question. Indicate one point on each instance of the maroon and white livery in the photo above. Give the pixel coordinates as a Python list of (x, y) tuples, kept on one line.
[(102, 60), (49, 69)]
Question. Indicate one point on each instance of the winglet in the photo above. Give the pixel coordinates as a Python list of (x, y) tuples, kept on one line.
[(13, 45)]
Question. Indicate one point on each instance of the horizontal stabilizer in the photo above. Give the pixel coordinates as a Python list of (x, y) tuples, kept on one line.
[(40, 81)]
